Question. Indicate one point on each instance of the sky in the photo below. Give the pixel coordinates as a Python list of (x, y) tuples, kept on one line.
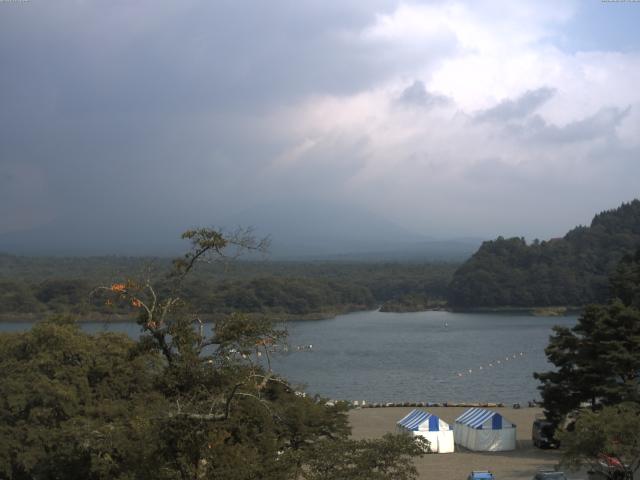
[(122, 123)]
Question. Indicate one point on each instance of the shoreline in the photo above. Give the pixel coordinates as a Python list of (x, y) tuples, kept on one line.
[(360, 404), (548, 311), (94, 317)]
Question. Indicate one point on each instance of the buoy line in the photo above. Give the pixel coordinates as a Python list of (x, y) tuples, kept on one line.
[(493, 364)]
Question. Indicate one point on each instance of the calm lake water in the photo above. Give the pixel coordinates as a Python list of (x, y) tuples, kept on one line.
[(425, 356)]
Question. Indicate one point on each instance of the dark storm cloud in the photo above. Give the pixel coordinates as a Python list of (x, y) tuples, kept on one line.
[(156, 106), (124, 122), (160, 57), (518, 108), (140, 113)]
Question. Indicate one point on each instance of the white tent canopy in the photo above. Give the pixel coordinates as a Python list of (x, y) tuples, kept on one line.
[(484, 430), (432, 428)]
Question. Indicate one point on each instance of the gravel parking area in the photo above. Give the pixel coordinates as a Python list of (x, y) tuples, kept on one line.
[(521, 463)]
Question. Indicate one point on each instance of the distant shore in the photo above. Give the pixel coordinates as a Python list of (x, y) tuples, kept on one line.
[(554, 311), (95, 317), (92, 317)]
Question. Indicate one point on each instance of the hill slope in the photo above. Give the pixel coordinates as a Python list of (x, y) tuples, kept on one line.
[(572, 270)]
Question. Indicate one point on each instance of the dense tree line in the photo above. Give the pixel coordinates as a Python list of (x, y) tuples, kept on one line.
[(568, 271), (41, 286), (93, 407), (177, 404)]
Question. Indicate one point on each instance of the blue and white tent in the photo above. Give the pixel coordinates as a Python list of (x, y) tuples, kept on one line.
[(438, 432), (484, 430)]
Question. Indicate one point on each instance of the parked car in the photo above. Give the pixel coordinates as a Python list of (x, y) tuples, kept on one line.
[(480, 475), (549, 475), (543, 434)]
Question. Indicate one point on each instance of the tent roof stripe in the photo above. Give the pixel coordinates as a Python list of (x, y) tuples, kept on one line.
[(413, 419), (476, 417), (416, 417)]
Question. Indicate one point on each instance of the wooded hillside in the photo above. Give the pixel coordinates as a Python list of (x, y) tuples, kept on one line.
[(572, 270)]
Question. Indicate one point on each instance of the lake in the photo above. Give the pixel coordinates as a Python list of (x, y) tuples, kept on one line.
[(398, 357)]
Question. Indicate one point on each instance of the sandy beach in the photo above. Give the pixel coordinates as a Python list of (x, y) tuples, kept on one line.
[(521, 463)]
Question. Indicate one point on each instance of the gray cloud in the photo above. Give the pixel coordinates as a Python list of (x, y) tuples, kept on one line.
[(159, 57), (518, 108), (601, 124), (416, 94), (126, 122), (117, 102)]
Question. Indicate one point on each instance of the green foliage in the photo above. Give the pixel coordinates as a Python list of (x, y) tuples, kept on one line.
[(566, 271), (598, 360), (18, 297), (73, 406), (181, 403), (286, 296), (625, 282), (274, 289), (614, 431), (385, 459)]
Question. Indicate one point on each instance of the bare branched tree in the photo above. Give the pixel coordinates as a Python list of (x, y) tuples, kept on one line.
[(235, 342)]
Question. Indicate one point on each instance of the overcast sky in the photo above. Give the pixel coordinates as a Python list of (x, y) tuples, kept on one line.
[(478, 118)]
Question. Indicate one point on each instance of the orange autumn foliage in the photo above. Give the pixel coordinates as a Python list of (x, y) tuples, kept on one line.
[(118, 287)]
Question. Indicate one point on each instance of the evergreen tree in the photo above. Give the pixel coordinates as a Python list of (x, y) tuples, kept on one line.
[(625, 282), (598, 360)]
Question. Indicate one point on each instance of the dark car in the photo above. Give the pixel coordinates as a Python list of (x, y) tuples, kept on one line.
[(543, 434), (549, 475)]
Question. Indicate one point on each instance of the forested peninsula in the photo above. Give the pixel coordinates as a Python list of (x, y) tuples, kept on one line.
[(568, 271)]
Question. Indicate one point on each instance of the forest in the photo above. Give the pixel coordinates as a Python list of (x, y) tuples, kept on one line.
[(31, 286), (568, 271), (179, 403), (571, 271)]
